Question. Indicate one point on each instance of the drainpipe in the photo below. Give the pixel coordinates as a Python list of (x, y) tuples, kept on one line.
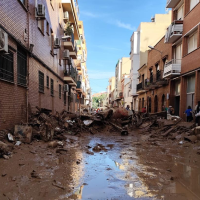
[(28, 64)]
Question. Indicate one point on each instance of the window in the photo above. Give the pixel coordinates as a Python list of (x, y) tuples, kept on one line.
[(193, 3), (47, 27), (180, 13), (65, 99), (59, 91), (192, 42), (79, 26), (52, 91), (41, 82), (41, 26), (191, 84), (47, 81), (6, 67), (21, 66)]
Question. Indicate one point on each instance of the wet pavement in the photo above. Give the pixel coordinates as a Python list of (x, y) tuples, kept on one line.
[(103, 166)]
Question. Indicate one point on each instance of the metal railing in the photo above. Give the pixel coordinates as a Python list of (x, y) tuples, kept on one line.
[(79, 85), (140, 86), (172, 67), (6, 75), (71, 71), (151, 78)]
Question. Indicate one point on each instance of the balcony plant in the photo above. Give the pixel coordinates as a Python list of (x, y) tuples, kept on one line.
[(68, 31)]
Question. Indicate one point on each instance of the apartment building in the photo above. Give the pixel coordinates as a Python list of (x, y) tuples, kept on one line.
[(148, 33), (37, 57), (126, 88), (110, 89), (154, 88), (184, 69), (122, 68), (83, 85)]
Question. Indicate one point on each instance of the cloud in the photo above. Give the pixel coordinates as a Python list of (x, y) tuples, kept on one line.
[(89, 14), (100, 75), (123, 25)]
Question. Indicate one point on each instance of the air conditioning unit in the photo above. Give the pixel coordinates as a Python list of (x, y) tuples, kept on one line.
[(56, 43), (40, 10), (66, 15), (66, 88), (66, 54), (3, 41)]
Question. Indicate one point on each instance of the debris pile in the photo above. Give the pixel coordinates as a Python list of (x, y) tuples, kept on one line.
[(173, 129)]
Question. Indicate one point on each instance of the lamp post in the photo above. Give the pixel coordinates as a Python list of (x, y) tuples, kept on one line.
[(153, 48)]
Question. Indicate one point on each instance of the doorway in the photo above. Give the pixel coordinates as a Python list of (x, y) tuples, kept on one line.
[(156, 104), (177, 105), (149, 105)]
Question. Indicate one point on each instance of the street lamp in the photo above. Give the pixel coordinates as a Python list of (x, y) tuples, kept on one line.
[(152, 48)]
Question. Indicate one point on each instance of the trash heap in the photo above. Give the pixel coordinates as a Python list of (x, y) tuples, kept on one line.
[(53, 128), (174, 129)]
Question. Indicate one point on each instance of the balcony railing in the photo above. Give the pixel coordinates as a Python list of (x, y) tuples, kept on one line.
[(174, 31), (172, 68), (71, 72), (151, 79), (79, 85), (172, 3), (140, 86)]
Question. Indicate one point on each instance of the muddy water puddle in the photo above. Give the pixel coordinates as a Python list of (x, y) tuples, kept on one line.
[(102, 167), (123, 172)]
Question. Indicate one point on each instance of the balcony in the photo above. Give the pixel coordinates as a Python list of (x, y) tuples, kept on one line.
[(140, 88), (70, 75), (174, 31), (172, 68), (160, 80), (71, 6), (172, 3), (79, 86), (70, 44)]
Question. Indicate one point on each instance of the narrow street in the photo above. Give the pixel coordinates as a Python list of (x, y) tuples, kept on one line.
[(102, 166)]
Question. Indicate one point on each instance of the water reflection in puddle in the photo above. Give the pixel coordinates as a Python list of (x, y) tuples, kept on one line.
[(123, 173)]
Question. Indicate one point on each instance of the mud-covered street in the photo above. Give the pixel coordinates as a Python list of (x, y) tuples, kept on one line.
[(102, 166)]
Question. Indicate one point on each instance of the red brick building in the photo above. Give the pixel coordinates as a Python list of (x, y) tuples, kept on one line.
[(153, 88), (184, 70), (32, 70), (172, 74)]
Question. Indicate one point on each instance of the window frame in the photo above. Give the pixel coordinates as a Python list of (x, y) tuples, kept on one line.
[(191, 7), (193, 38), (21, 72), (60, 91), (52, 87), (41, 81), (41, 26), (47, 28), (9, 73), (47, 81)]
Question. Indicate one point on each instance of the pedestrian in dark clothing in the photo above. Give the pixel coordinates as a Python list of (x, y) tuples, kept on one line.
[(188, 113)]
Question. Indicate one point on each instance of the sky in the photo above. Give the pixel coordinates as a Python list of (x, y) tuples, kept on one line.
[(108, 26)]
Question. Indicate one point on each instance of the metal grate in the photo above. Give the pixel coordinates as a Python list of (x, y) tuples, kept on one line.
[(41, 82)]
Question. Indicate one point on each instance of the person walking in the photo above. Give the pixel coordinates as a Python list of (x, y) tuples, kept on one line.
[(127, 107), (188, 113)]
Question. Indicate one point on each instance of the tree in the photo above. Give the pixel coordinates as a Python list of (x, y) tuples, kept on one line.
[(95, 100)]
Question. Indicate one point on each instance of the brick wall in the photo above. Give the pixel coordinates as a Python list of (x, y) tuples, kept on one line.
[(16, 19), (155, 57)]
